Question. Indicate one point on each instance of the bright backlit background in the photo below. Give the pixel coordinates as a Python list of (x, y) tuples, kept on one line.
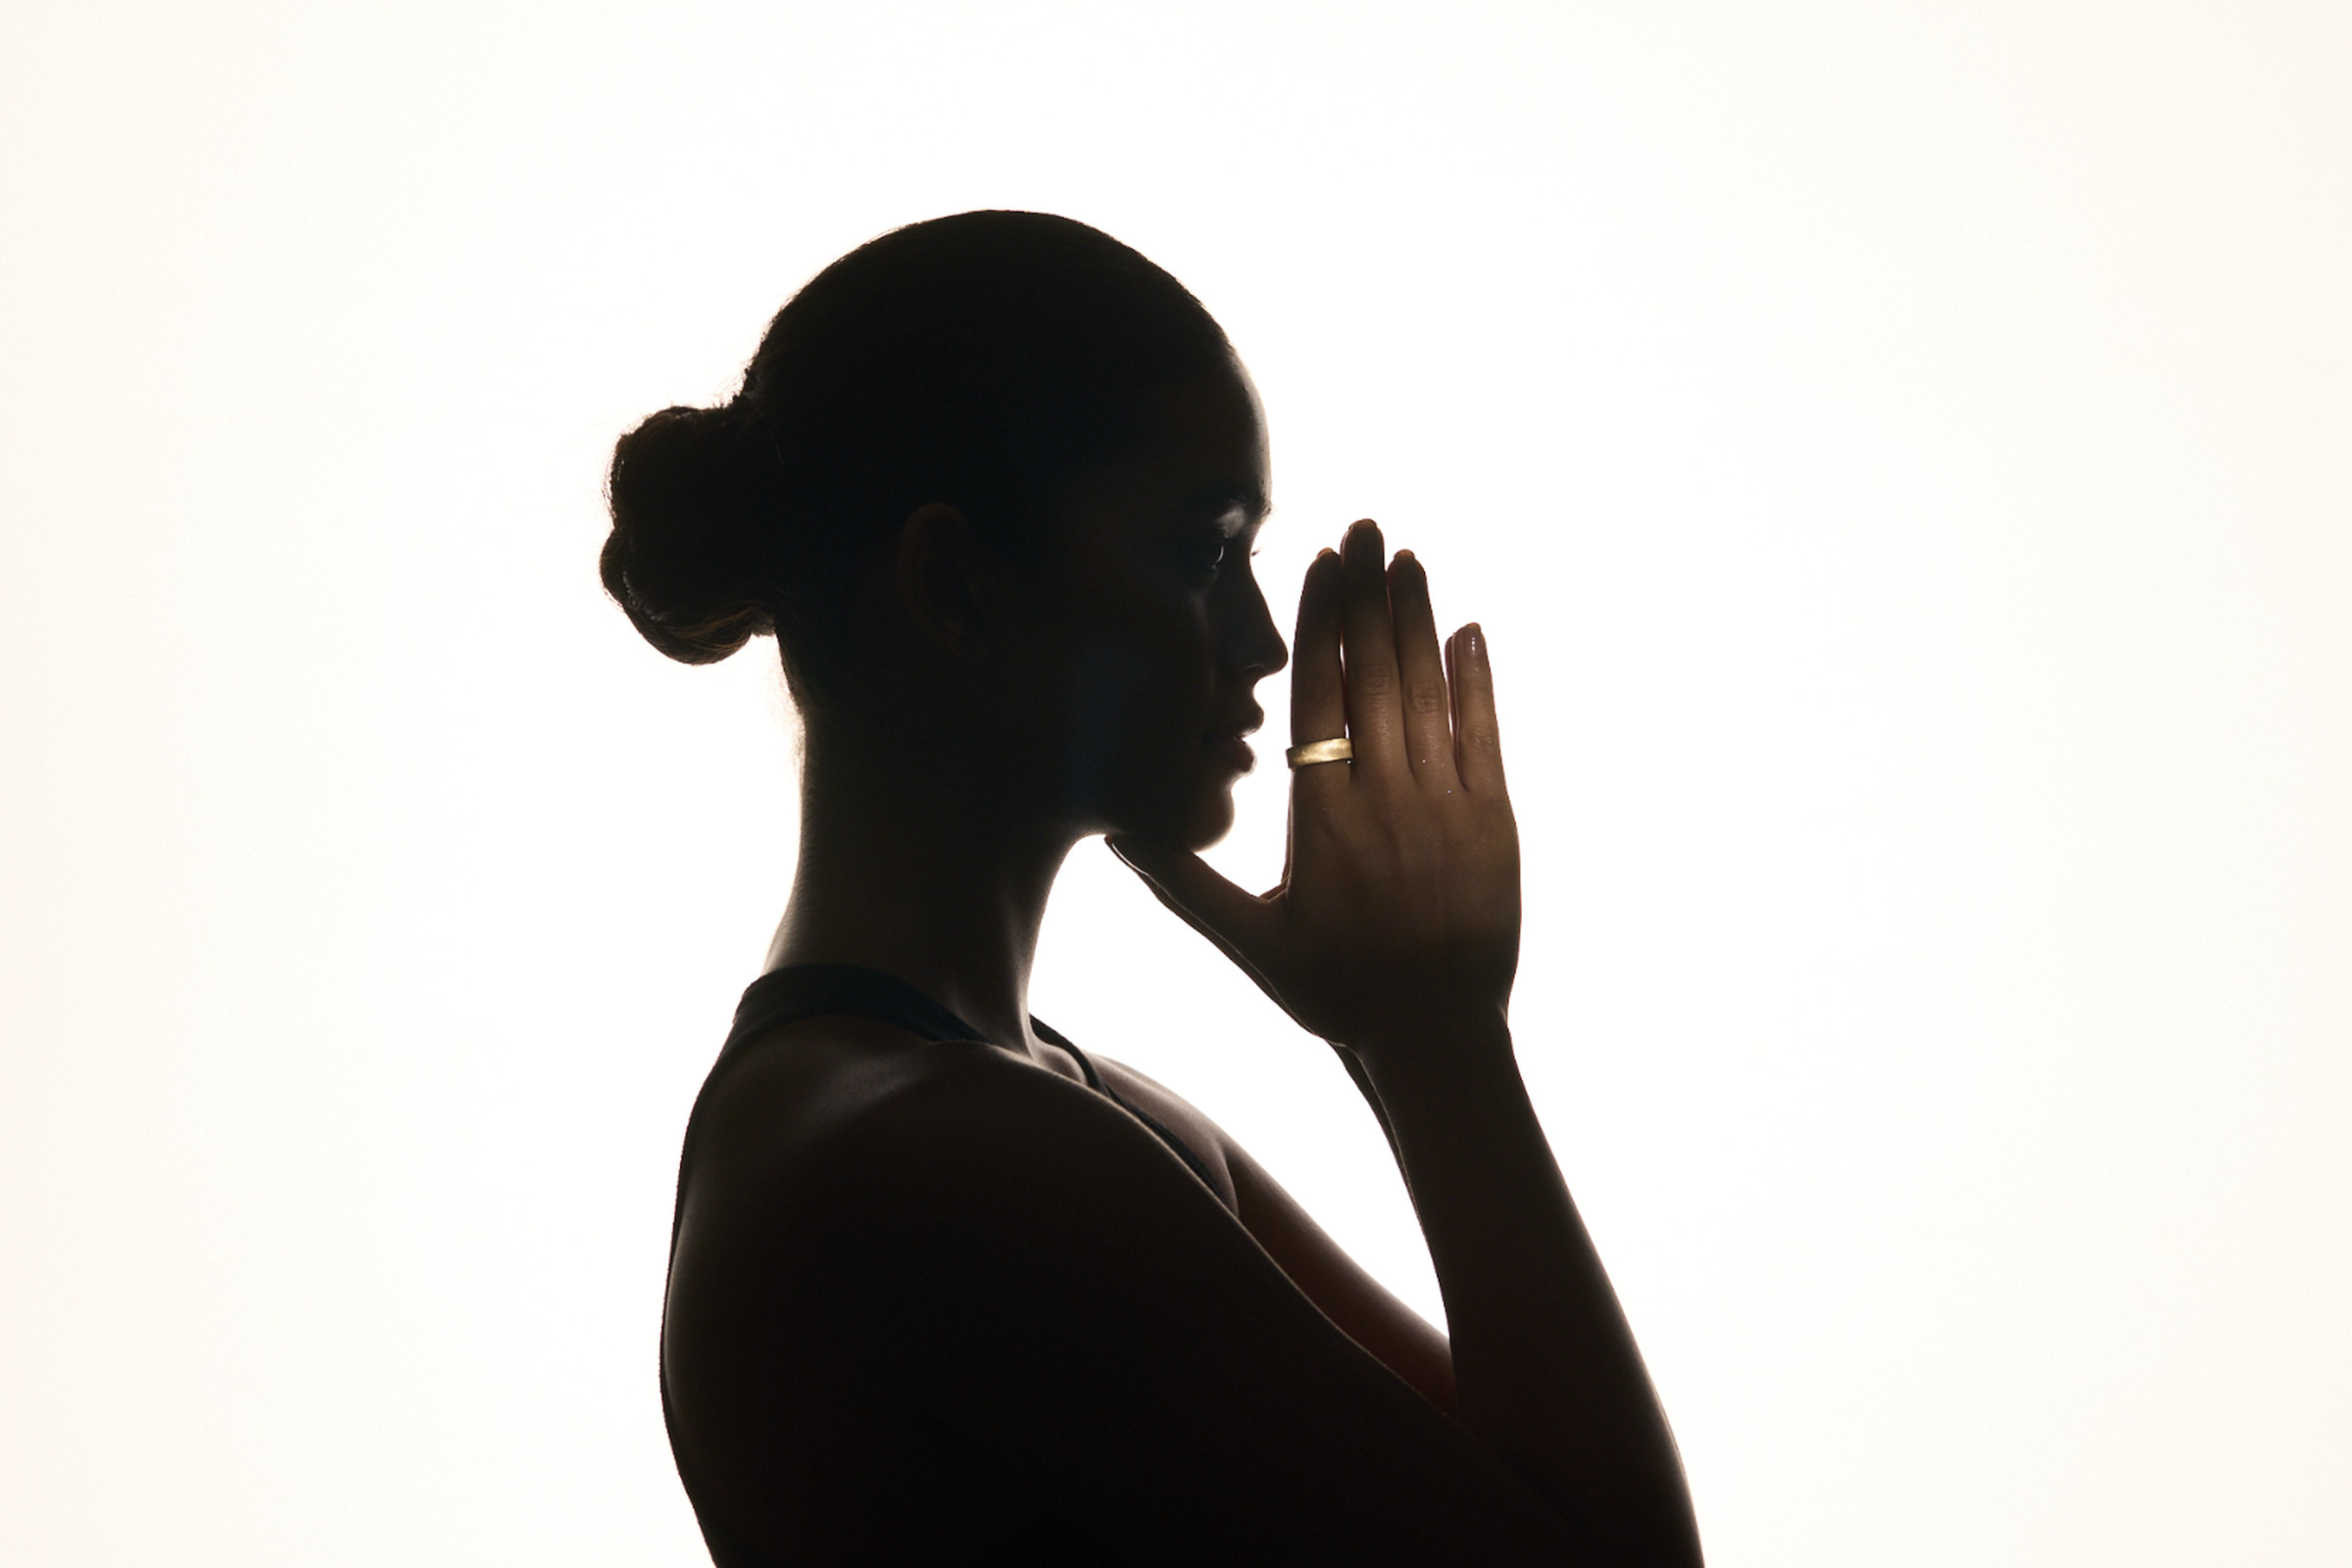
[(1902, 457)]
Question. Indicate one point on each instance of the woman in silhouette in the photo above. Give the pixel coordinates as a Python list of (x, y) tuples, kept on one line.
[(943, 1288)]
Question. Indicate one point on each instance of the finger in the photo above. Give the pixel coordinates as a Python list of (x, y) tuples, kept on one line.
[(1289, 834), (1240, 924), (1369, 646), (1318, 697), (1477, 739), (1421, 673)]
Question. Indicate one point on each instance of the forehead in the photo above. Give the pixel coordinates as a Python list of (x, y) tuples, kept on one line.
[(1202, 457)]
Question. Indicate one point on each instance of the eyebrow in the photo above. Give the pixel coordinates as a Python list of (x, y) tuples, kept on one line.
[(1226, 495)]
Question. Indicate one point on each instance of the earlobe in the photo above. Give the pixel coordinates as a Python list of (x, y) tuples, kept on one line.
[(940, 576)]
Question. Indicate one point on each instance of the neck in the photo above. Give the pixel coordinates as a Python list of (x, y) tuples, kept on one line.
[(907, 868)]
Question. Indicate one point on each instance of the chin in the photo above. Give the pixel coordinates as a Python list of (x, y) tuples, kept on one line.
[(1194, 820), (1212, 820)]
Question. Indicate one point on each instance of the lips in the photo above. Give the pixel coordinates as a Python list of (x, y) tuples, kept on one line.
[(1230, 741), (1239, 730)]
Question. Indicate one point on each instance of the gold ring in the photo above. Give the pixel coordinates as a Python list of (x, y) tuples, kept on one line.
[(1331, 750)]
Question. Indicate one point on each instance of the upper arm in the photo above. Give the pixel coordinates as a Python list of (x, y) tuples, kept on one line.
[(1020, 1270), (1359, 1304), (1362, 1308)]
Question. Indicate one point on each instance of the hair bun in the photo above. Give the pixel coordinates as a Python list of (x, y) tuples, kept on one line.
[(692, 490)]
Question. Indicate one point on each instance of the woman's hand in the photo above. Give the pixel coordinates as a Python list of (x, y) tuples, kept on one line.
[(1396, 919)]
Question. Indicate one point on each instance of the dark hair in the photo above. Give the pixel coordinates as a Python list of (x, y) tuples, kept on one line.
[(984, 359)]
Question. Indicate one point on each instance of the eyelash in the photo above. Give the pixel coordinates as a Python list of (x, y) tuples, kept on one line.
[(1217, 553)]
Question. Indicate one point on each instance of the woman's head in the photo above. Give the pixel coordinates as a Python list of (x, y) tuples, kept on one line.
[(1004, 385)]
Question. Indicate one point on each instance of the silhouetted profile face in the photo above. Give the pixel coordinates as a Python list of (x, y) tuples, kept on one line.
[(1143, 629)]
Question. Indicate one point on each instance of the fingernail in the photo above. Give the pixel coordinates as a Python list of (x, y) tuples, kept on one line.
[(1476, 639), (1327, 554)]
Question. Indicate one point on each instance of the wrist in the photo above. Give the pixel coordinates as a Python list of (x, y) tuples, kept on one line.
[(1404, 1053)]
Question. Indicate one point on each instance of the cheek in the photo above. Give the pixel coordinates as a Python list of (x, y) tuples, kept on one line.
[(1108, 685), (1134, 713)]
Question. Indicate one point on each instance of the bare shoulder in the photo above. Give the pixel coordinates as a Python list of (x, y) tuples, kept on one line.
[(823, 1094), (833, 1132), (1200, 1134), (820, 1094)]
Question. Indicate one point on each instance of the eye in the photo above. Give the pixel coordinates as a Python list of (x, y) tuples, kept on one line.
[(1204, 556)]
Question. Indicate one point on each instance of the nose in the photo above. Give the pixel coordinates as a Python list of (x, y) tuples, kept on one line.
[(1253, 643)]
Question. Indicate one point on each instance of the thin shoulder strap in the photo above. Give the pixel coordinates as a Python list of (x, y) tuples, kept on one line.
[(1054, 1037), (1094, 1080), (818, 989)]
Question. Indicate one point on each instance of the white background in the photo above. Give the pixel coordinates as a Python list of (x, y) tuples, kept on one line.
[(1900, 455)]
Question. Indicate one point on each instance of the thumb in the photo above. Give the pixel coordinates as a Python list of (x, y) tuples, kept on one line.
[(1238, 922)]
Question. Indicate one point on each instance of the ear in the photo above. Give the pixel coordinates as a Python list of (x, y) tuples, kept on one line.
[(945, 578)]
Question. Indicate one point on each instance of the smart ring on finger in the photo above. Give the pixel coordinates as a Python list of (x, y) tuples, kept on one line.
[(1340, 750)]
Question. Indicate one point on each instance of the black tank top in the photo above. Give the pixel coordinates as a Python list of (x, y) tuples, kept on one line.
[(833, 990)]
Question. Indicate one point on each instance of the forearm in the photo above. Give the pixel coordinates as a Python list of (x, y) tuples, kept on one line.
[(1546, 1368)]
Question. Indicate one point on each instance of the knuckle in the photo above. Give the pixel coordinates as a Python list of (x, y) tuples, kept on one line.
[(1427, 698)]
